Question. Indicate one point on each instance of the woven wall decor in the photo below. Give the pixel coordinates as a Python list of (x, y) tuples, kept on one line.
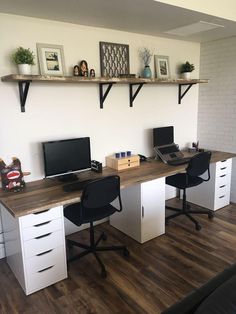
[(114, 59)]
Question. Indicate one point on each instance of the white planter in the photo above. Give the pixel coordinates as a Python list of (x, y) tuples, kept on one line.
[(24, 69), (186, 75)]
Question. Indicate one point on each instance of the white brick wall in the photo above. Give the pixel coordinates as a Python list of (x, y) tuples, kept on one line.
[(217, 99)]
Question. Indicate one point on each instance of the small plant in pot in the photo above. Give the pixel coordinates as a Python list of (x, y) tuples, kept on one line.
[(186, 68), (146, 56), (24, 58)]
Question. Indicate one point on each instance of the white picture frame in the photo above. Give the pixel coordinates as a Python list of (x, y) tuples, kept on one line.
[(51, 59), (162, 66)]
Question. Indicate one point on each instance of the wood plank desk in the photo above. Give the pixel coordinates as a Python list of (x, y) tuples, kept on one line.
[(33, 220), (46, 193)]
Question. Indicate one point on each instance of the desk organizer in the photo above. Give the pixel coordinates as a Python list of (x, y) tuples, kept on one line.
[(122, 163)]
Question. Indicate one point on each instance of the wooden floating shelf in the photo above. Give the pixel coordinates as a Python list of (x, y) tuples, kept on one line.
[(25, 80)]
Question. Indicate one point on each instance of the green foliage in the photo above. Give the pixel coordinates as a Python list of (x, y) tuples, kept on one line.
[(146, 55), (23, 56), (187, 67)]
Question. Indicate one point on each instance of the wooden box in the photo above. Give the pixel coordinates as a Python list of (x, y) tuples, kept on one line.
[(123, 162)]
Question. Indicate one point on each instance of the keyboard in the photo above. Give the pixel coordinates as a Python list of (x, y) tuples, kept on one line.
[(179, 161), (168, 149), (75, 186)]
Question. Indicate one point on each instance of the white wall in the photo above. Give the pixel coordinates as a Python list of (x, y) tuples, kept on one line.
[(56, 111), (217, 100)]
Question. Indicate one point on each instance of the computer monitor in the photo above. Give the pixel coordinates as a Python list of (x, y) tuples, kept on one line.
[(65, 157), (163, 136)]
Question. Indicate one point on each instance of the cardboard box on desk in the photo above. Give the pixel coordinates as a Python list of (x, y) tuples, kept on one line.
[(122, 163)]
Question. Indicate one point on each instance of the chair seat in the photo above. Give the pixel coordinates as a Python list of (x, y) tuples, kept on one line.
[(74, 213), (179, 181)]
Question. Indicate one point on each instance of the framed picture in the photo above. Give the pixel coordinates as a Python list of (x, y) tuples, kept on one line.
[(162, 66), (51, 59), (114, 59)]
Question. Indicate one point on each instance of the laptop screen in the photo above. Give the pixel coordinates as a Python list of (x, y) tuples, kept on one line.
[(163, 136)]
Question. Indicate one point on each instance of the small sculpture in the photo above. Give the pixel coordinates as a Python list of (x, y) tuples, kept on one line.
[(83, 68), (76, 70), (92, 73)]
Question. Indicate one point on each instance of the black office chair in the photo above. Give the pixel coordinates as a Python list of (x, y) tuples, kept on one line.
[(197, 166), (95, 205)]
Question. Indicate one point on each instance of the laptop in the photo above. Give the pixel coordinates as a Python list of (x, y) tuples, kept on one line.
[(164, 146)]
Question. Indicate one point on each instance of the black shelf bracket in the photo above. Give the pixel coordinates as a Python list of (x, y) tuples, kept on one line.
[(103, 96), (23, 91), (132, 93), (181, 95)]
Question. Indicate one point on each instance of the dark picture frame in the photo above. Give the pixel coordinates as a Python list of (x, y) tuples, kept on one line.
[(114, 59)]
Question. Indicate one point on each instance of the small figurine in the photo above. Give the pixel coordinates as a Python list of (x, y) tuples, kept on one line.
[(83, 68), (76, 70), (92, 73), (11, 175)]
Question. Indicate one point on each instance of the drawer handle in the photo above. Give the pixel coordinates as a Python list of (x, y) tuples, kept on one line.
[(43, 236), (42, 224), (40, 271), (223, 175), (46, 252), (142, 211), (42, 211), (222, 186), (223, 168), (222, 196), (223, 160)]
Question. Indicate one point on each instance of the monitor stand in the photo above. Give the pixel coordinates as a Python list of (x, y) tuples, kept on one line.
[(71, 177)]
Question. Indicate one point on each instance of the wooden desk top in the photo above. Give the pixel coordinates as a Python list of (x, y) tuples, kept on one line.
[(46, 193)]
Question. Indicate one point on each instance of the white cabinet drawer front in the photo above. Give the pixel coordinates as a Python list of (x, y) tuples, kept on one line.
[(46, 277), (42, 228), (223, 166), (45, 259), (222, 200), (43, 243), (2, 252), (224, 179), (43, 216), (223, 190), (1, 238)]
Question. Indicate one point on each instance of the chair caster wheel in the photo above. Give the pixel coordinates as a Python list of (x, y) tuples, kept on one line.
[(103, 273), (104, 237), (210, 215), (198, 227), (126, 252)]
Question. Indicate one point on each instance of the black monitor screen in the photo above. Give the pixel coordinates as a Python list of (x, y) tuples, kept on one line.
[(163, 136), (66, 156)]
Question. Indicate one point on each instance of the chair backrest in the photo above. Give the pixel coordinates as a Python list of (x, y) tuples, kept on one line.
[(101, 192), (199, 164)]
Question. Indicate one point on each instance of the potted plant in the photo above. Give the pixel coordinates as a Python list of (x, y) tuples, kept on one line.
[(146, 56), (24, 58), (185, 69)]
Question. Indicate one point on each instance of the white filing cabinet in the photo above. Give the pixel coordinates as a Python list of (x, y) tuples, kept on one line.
[(2, 246), (215, 193), (143, 214), (35, 248)]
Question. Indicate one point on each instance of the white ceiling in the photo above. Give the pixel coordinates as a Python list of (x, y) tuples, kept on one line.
[(138, 16)]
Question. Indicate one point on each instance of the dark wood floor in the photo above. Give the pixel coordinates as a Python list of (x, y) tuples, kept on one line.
[(157, 273)]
